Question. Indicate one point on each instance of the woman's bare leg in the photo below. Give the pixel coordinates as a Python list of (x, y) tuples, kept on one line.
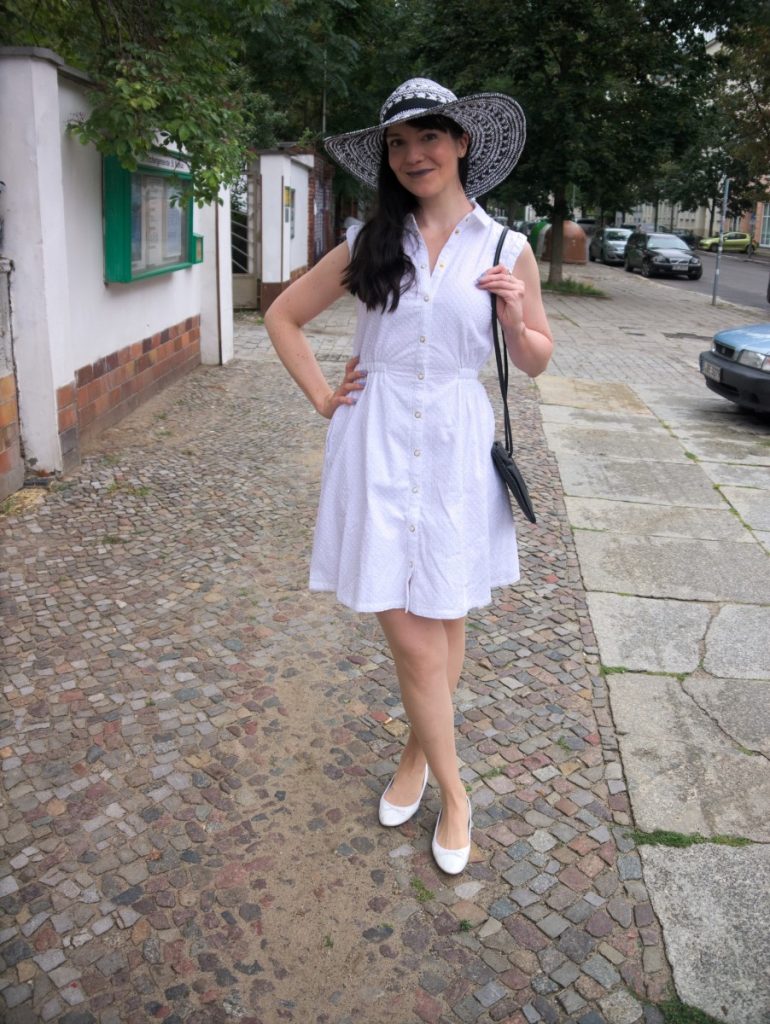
[(426, 652), (406, 786)]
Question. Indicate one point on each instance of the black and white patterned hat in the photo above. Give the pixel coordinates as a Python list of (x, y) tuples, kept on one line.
[(494, 122)]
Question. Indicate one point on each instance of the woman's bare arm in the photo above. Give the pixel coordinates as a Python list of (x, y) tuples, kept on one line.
[(520, 308), (308, 296)]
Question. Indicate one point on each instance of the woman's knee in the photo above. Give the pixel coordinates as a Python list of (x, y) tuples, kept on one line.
[(419, 646)]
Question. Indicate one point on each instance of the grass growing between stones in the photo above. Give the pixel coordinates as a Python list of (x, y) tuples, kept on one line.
[(569, 286), (677, 1012), (421, 892), (661, 837)]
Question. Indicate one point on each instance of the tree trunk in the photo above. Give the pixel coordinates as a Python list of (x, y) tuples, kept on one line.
[(711, 218), (557, 234)]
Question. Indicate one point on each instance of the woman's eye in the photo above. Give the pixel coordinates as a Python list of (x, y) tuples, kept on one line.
[(430, 137)]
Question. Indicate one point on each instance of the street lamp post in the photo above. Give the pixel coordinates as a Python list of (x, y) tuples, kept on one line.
[(725, 194)]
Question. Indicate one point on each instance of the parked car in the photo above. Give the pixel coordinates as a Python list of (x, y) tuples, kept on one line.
[(737, 366), (734, 241), (588, 224), (657, 253), (687, 236), (609, 245)]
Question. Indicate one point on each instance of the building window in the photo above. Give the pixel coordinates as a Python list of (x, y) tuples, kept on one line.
[(146, 231), (764, 235)]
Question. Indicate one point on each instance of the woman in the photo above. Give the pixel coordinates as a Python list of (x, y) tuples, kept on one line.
[(414, 524)]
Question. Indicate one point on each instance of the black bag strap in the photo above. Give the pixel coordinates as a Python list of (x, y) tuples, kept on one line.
[(501, 355)]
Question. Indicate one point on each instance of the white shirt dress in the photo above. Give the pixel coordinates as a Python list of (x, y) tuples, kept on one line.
[(412, 513)]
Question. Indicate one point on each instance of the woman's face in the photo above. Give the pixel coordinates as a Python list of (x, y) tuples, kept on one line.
[(425, 159)]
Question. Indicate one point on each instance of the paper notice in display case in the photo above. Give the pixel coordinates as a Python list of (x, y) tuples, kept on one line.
[(154, 203)]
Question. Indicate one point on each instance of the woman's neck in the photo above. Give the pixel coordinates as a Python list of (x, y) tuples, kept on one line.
[(441, 213)]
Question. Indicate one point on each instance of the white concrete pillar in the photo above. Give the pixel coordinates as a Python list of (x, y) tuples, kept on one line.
[(216, 283), (33, 205)]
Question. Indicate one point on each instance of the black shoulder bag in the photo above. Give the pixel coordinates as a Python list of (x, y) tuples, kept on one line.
[(503, 456)]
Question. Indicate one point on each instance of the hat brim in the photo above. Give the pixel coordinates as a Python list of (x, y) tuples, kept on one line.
[(494, 122)]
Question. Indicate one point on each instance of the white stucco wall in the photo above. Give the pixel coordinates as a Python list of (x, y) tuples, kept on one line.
[(34, 241), (280, 252), (105, 318)]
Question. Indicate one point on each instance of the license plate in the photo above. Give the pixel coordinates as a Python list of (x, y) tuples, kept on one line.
[(680, 266), (711, 371)]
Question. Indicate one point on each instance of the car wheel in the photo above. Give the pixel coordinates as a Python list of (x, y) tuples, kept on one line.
[(749, 249), (591, 256), (629, 270), (695, 275), (646, 269)]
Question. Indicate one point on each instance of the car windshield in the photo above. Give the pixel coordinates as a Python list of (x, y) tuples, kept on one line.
[(616, 235), (666, 242)]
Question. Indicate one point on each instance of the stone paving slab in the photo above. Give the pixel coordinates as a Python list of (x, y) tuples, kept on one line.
[(644, 635), (714, 902), (599, 418), (192, 749), (684, 773), (714, 446), (738, 475), (736, 705), (573, 439), (642, 481), (690, 570), (753, 506), (737, 642), (646, 520), (587, 394)]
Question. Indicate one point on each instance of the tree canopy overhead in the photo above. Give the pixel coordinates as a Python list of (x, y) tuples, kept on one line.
[(610, 87)]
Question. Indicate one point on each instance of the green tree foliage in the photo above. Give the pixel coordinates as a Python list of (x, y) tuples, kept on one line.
[(746, 97), (165, 72), (609, 87)]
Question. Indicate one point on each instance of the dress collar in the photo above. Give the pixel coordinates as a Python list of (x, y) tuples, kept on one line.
[(477, 214)]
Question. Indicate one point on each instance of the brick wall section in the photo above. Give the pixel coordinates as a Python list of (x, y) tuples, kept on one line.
[(11, 465), (105, 391)]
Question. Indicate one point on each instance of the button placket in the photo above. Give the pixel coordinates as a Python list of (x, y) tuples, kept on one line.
[(416, 457)]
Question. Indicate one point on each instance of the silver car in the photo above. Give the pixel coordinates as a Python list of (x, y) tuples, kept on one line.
[(609, 245)]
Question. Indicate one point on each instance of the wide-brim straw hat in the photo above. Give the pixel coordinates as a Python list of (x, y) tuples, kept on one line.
[(495, 123)]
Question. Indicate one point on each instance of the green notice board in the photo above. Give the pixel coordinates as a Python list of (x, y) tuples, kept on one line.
[(146, 232)]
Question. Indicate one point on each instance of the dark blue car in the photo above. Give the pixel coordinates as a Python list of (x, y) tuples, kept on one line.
[(737, 366)]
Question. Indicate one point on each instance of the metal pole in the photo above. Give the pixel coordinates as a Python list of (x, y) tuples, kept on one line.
[(725, 194)]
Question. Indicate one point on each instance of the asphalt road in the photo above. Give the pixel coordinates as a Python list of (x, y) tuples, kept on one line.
[(741, 279)]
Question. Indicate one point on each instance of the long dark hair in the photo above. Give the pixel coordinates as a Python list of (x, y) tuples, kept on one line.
[(379, 271)]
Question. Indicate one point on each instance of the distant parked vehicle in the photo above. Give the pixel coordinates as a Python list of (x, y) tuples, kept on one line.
[(609, 245), (687, 236), (656, 253), (734, 241), (737, 366)]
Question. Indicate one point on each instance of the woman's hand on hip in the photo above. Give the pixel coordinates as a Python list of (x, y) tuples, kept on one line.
[(510, 291), (346, 392)]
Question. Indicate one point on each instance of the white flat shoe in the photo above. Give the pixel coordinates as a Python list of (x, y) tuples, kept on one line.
[(452, 861), (391, 815)]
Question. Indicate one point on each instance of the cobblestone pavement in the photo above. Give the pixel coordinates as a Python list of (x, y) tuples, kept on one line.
[(192, 749)]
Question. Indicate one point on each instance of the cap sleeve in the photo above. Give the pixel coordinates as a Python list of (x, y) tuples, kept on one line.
[(351, 234), (512, 246)]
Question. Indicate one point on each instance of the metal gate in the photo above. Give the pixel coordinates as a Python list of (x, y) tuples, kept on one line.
[(246, 220)]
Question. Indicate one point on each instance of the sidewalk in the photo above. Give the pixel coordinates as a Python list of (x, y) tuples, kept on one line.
[(193, 746), (667, 489)]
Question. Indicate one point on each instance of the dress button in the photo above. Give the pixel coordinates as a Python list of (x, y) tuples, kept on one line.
[(415, 490), (417, 415), (420, 376), (422, 338), (412, 528), (417, 452), (426, 298), (457, 231)]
